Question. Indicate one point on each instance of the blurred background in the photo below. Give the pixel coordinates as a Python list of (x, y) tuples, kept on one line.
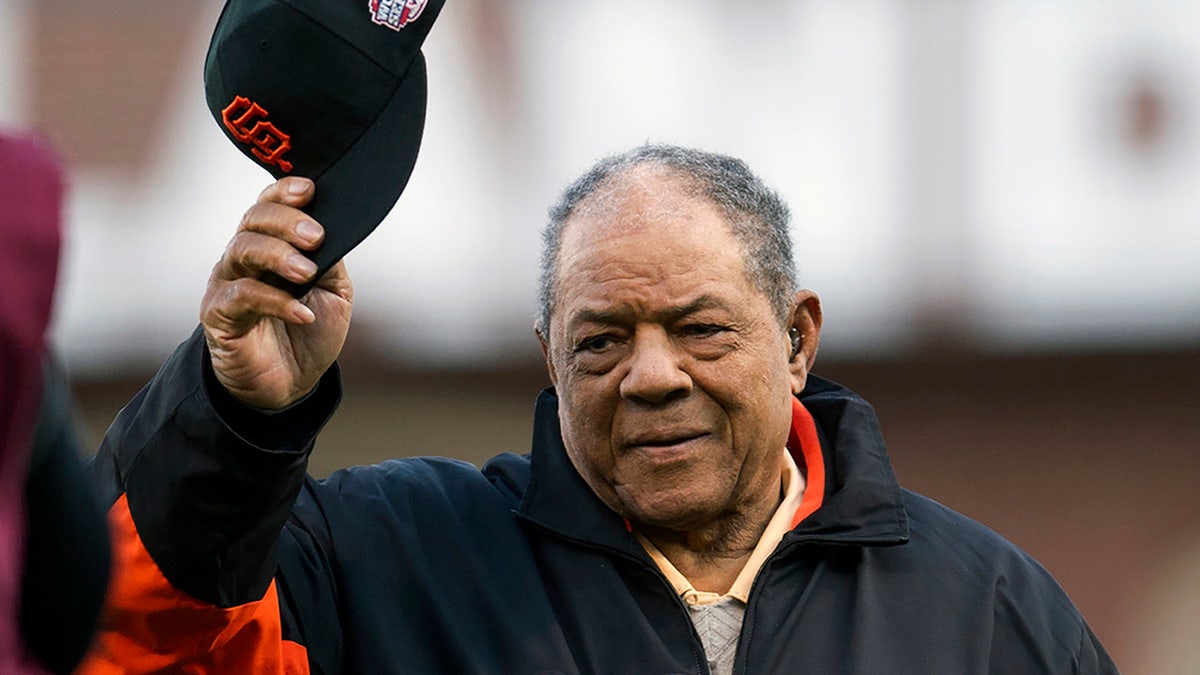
[(995, 199)]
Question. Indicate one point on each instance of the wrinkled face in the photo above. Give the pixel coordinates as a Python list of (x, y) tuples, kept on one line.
[(672, 370)]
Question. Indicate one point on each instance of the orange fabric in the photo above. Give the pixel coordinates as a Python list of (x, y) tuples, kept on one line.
[(151, 626), (805, 447)]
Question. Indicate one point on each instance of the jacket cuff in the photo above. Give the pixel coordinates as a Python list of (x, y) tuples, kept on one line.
[(291, 430)]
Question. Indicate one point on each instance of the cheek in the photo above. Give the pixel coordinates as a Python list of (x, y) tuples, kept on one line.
[(759, 407), (586, 423)]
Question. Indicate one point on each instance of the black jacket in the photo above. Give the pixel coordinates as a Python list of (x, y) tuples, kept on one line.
[(435, 566)]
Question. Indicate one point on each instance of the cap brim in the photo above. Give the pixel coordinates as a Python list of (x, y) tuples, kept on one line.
[(358, 191)]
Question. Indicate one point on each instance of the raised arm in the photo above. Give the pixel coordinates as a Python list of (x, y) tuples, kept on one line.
[(204, 464)]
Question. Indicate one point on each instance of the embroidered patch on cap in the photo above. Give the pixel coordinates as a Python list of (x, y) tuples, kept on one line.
[(395, 14)]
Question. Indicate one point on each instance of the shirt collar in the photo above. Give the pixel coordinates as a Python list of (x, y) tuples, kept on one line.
[(793, 488)]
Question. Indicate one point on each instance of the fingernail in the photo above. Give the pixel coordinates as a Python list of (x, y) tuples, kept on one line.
[(297, 187), (302, 312), (308, 231), (301, 266)]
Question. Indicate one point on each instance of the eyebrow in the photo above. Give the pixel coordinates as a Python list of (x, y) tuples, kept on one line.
[(603, 316)]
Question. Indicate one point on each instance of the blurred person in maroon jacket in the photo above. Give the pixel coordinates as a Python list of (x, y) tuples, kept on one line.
[(54, 546)]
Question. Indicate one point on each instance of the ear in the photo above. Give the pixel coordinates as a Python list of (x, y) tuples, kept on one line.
[(806, 322), (544, 341)]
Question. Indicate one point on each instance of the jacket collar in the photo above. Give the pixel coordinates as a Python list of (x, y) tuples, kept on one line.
[(556, 496), (862, 500)]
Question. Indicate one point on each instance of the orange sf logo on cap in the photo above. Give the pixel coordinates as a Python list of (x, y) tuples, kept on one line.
[(247, 121)]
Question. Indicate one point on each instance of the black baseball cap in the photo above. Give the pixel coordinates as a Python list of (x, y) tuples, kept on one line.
[(333, 90)]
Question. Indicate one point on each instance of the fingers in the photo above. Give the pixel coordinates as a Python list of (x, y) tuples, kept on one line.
[(268, 245), (284, 222), (234, 306), (252, 254), (291, 190), (277, 213), (273, 234)]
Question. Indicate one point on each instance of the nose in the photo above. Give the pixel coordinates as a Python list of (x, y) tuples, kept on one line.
[(654, 374)]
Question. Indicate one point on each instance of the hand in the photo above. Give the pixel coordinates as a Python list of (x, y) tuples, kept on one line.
[(268, 348)]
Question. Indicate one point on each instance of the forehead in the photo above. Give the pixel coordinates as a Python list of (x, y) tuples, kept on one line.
[(642, 202), (646, 191), (648, 229)]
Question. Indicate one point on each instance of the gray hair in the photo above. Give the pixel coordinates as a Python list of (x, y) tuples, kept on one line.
[(757, 217)]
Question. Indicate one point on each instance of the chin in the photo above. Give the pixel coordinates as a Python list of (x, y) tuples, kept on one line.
[(669, 514)]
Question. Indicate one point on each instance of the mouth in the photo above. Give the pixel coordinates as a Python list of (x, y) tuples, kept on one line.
[(666, 447)]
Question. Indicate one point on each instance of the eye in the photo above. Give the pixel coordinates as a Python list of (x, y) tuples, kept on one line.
[(707, 341), (597, 354), (595, 344), (701, 330)]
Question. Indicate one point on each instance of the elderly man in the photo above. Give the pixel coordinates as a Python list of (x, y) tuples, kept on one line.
[(694, 501)]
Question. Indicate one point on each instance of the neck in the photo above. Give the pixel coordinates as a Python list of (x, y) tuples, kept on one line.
[(713, 555)]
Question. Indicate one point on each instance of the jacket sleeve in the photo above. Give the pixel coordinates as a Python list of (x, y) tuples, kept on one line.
[(1036, 626), (1092, 658), (200, 488)]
